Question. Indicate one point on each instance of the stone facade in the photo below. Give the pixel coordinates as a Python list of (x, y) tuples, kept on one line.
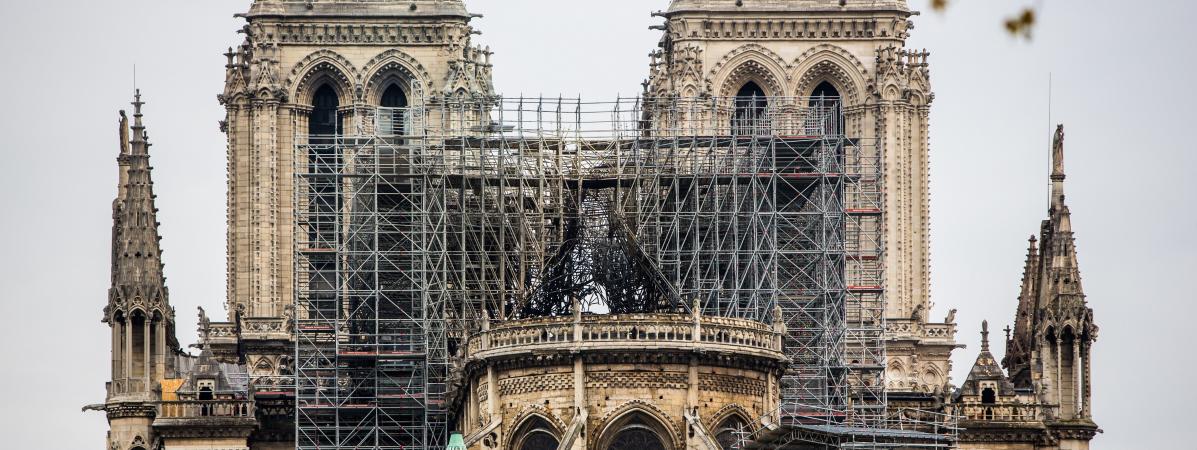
[(712, 48), (290, 49), (576, 381), (585, 379)]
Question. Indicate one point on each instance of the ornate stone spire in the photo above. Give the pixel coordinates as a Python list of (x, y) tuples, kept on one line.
[(1059, 246), (137, 279)]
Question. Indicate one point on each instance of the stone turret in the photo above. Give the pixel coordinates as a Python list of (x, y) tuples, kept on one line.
[(1048, 354), (144, 346)]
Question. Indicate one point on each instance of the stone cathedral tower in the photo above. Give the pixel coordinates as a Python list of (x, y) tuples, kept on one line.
[(317, 68), (853, 51), (144, 347)]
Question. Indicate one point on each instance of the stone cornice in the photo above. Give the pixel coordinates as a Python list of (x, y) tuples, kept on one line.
[(357, 33), (414, 9), (206, 427), (117, 410), (793, 28)]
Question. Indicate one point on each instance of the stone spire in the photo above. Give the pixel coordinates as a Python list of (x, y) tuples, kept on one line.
[(1053, 328), (136, 255), (1018, 346), (137, 281), (1059, 247), (138, 314)]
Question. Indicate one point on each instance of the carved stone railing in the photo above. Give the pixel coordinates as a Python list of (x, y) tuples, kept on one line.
[(188, 409), (222, 331), (1005, 413), (265, 329), (913, 329), (625, 331), (940, 331)]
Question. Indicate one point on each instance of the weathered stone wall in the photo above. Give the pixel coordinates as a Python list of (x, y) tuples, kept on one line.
[(588, 391)]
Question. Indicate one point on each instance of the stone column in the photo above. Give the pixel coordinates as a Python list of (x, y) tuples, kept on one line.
[(160, 355), (116, 351), (128, 352), (1059, 377), (1076, 378), (145, 349), (492, 393), (1086, 410)]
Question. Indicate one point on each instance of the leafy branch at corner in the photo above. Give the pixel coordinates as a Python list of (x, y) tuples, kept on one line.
[(1019, 24)]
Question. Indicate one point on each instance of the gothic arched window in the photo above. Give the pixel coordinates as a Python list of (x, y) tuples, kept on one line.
[(324, 202), (324, 120), (535, 434), (825, 105), (393, 97), (392, 117), (728, 433), (636, 431), (751, 107), (538, 440), (636, 438)]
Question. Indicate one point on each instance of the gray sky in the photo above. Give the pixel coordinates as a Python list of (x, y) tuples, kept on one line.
[(1122, 85)]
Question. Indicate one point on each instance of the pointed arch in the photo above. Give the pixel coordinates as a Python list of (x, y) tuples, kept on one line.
[(323, 67), (394, 67), (638, 416), (931, 377), (834, 65), (747, 63), (535, 429), (896, 373), (726, 424)]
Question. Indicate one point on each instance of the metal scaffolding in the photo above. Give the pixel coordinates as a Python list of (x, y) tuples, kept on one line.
[(426, 219)]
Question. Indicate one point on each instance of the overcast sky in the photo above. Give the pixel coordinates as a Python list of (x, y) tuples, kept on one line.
[(1122, 84)]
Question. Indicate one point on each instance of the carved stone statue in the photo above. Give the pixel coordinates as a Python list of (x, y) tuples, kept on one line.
[(1058, 151), (205, 325)]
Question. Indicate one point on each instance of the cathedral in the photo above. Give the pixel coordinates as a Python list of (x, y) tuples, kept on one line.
[(736, 258)]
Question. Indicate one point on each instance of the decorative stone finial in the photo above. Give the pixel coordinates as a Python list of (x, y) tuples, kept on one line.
[(984, 335)]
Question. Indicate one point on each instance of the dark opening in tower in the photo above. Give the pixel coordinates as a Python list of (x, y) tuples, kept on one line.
[(826, 107), (988, 397), (325, 120), (324, 201), (751, 106), (392, 117)]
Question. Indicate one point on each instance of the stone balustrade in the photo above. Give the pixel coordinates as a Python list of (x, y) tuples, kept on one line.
[(621, 331), (126, 386), (186, 409), (1004, 413), (909, 328)]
